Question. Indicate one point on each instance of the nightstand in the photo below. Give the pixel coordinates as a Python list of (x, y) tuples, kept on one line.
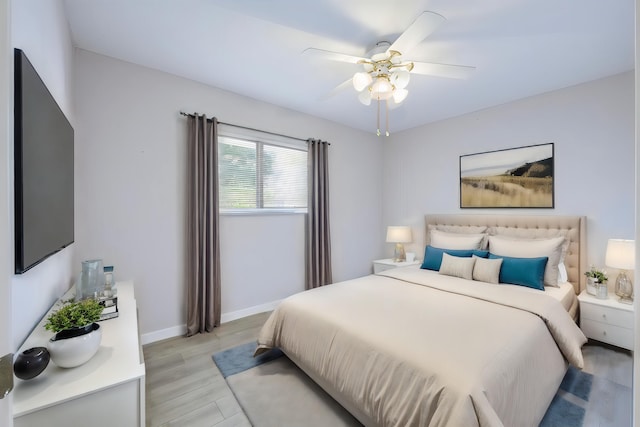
[(381, 265), (606, 320)]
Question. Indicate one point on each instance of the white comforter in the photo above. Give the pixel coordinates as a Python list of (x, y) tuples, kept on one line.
[(416, 348)]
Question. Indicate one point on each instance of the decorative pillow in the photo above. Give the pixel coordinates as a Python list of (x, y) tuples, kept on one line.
[(433, 256), (457, 266), (527, 272), (444, 240), (551, 248), (487, 270)]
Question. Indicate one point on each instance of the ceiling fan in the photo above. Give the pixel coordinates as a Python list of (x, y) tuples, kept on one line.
[(385, 74)]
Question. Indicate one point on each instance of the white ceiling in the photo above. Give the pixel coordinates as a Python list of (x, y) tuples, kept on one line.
[(254, 48)]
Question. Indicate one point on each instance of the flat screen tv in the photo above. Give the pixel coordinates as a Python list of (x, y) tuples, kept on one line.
[(43, 150)]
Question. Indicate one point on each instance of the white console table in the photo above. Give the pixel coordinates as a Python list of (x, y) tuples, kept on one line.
[(107, 391)]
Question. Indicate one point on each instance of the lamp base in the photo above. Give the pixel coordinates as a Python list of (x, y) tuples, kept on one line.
[(624, 288), (399, 255)]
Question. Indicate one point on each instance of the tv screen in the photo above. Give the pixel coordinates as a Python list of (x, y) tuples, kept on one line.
[(43, 170)]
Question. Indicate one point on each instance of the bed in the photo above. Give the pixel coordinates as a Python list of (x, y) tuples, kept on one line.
[(416, 347)]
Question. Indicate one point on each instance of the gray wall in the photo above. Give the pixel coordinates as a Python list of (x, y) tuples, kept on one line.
[(130, 193), (592, 127)]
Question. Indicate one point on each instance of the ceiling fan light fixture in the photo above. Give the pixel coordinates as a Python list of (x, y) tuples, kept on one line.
[(400, 78), (400, 95), (365, 97), (361, 81), (382, 88), (384, 75)]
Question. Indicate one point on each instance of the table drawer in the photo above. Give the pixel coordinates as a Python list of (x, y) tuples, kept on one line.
[(611, 334), (607, 315)]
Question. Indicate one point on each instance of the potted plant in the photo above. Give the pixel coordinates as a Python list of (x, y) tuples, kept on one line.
[(595, 277), (77, 335)]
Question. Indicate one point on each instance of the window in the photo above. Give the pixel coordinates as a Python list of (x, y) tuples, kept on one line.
[(257, 174)]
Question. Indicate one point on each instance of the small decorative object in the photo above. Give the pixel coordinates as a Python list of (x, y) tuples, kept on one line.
[(594, 278), (109, 282), (30, 363), (91, 283), (399, 235), (622, 254), (77, 337)]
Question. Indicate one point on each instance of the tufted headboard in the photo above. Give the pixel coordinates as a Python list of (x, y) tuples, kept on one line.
[(531, 226)]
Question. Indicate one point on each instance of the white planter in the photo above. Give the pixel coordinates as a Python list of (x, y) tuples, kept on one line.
[(592, 286), (72, 352)]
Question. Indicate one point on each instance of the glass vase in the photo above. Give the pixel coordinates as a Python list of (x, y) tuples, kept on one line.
[(91, 282)]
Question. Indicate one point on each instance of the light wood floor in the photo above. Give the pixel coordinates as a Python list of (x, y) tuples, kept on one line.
[(185, 388)]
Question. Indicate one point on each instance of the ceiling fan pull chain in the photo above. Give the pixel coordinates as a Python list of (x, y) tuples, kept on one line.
[(387, 114), (378, 122)]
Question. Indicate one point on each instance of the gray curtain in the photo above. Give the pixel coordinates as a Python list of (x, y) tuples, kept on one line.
[(203, 264), (318, 239)]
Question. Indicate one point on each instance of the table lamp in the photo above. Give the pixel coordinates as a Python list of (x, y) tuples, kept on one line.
[(398, 234), (622, 254)]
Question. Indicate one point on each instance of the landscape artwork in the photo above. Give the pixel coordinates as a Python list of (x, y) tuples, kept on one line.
[(513, 178)]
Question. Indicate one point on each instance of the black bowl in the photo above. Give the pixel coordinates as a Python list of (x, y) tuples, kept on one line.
[(30, 363)]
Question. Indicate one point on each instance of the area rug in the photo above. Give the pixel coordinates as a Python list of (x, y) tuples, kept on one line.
[(273, 392)]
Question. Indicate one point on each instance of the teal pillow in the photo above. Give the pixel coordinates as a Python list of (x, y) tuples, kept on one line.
[(433, 256), (527, 272)]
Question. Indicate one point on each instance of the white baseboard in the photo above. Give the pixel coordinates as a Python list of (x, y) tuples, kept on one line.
[(163, 334), (228, 317), (177, 331)]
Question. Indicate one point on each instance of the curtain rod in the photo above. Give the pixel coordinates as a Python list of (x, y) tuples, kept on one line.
[(248, 128)]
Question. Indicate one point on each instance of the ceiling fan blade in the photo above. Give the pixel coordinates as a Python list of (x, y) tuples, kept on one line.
[(332, 56), (424, 25), (443, 70), (342, 86)]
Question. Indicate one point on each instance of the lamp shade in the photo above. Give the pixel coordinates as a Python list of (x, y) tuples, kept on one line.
[(365, 97), (400, 79), (361, 81), (381, 88), (398, 234), (621, 254), (399, 95)]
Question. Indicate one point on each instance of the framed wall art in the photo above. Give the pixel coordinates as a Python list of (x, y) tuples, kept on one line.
[(512, 178)]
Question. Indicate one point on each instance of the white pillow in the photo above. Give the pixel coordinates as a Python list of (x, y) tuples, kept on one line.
[(487, 270), (533, 234), (444, 240), (459, 229), (562, 273), (532, 248), (457, 266)]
